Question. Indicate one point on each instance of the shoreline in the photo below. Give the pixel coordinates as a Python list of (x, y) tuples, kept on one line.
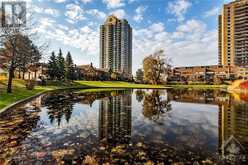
[(93, 85)]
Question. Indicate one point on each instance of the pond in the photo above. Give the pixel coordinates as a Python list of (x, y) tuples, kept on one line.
[(126, 126)]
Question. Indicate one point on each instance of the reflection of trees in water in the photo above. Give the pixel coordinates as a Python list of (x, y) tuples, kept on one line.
[(154, 105), (140, 95), (59, 105)]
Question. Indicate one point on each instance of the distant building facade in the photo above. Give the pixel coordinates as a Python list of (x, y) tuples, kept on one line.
[(210, 73), (233, 30), (33, 72), (116, 45), (242, 72), (89, 72)]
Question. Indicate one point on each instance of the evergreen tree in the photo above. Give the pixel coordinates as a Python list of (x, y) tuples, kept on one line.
[(61, 66), (69, 67), (139, 75), (52, 66)]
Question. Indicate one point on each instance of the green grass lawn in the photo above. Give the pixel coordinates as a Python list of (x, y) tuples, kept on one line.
[(19, 92), (117, 84)]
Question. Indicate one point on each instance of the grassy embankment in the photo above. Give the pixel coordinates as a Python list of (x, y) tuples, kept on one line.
[(117, 84), (20, 92)]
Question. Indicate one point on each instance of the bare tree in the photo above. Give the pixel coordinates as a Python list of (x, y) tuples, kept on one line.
[(14, 38)]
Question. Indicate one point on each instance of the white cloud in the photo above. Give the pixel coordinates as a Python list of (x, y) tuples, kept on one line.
[(83, 38), (131, 1), (43, 24), (58, 1), (157, 27), (179, 8), (96, 13), (85, 1), (49, 11), (119, 13), (191, 26), (114, 3), (212, 12), (74, 13), (139, 13)]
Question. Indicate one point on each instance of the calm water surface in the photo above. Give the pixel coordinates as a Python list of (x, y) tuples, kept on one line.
[(134, 126)]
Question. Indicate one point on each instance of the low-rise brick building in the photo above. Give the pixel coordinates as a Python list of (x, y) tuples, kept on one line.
[(89, 72), (33, 72), (242, 72), (210, 73)]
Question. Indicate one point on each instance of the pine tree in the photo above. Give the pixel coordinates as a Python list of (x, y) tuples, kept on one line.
[(61, 66), (69, 67), (52, 66), (139, 75)]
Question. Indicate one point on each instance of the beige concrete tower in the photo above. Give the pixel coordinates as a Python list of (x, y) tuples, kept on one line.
[(116, 45), (233, 34)]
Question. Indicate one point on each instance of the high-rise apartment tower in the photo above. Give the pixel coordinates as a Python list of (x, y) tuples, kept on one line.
[(116, 45), (233, 34)]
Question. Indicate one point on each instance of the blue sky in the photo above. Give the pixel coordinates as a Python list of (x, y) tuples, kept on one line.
[(185, 29)]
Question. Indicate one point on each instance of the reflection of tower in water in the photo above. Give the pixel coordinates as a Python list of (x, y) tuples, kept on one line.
[(115, 118), (233, 130)]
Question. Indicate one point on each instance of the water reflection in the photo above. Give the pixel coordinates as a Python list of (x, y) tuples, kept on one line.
[(115, 118), (233, 131), (232, 120), (155, 105), (59, 105), (126, 125), (15, 127)]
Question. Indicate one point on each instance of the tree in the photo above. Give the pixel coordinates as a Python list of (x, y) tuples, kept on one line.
[(113, 76), (69, 67), (140, 95), (19, 52), (35, 57), (61, 66), (52, 66), (30, 56), (11, 38), (155, 67), (139, 76)]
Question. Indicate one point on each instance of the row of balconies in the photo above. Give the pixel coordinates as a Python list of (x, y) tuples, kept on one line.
[(241, 25), (241, 30), (240, 22), (241, 9), (241, 49)]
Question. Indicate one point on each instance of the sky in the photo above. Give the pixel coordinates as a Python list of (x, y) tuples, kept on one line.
[(185, 29)]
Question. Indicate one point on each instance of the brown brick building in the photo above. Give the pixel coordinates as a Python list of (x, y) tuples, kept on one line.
[(211, 73)]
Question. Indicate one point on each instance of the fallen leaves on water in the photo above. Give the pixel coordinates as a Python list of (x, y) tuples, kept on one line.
[(89, 160)]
